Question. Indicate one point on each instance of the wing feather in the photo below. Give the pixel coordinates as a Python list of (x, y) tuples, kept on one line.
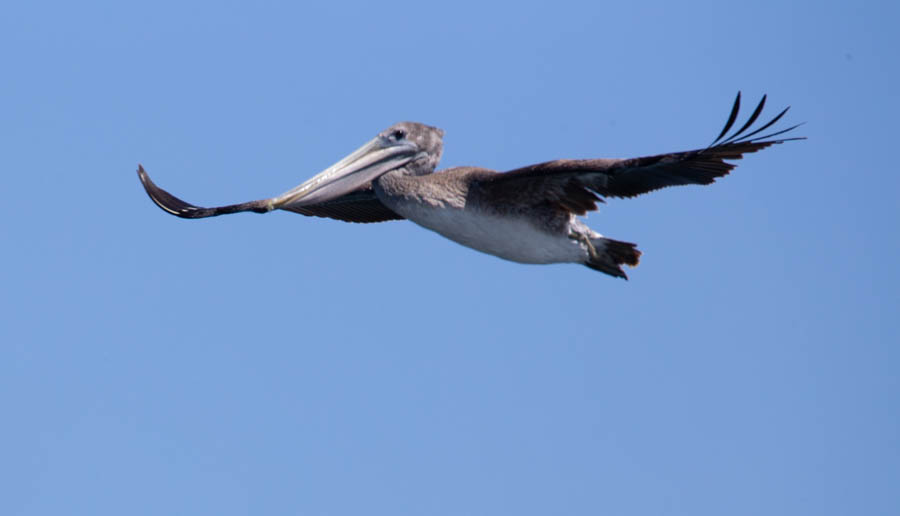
[(357, 206), (564, 182)]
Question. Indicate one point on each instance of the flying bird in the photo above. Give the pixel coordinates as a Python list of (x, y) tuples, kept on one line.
[(526, 215)]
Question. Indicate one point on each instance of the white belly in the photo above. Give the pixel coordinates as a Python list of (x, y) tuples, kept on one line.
[(507, 237)]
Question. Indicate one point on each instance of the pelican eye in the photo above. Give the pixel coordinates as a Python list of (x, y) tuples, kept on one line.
[(398, 134)]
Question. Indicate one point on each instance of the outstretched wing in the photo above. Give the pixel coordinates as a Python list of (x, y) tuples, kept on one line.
[(575, 184), (357, 206)]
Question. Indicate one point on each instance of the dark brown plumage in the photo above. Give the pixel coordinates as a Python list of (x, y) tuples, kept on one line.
[(575, 184)]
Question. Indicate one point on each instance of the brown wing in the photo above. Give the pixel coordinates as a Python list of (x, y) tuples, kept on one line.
[(574, 184), (357, 206)]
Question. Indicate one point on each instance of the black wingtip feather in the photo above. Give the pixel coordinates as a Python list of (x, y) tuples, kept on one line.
[(738, 137), (731, 118), (791, 128), (770, 123), (753, 117)]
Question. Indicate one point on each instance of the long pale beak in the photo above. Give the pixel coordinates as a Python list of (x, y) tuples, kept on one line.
[(364, 165)]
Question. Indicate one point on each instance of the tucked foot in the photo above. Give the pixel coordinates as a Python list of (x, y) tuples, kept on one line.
[(584, 239)]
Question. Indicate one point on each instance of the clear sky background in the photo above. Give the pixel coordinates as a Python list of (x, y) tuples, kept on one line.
[(280, 364)]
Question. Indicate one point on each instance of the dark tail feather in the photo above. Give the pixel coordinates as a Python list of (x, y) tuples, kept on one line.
[(611, 255)]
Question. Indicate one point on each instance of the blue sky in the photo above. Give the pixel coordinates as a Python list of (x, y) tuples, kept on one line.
[(280, 364)]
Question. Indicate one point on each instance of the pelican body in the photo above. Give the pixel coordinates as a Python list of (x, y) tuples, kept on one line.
[(454, 205), (527, 215)]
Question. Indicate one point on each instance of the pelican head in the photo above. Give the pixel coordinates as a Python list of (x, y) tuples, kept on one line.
[(413, 147), (429, 140)]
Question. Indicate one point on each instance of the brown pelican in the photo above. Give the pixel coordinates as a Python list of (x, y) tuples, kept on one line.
[(527, 215)]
